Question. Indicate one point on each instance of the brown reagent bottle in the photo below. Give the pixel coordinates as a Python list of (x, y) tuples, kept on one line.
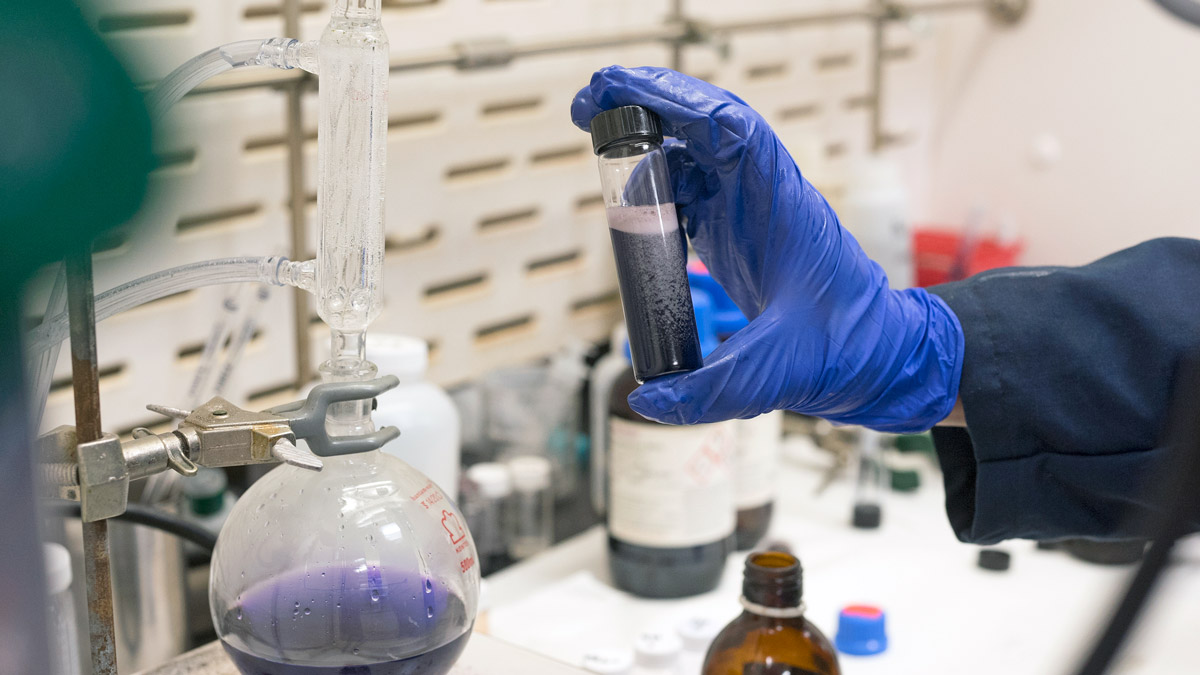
[(771, 637)]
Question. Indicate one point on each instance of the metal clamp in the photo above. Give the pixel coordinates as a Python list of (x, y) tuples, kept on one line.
[(307, 418)]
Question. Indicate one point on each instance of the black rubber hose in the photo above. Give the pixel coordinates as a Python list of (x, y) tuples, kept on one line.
[(1180, 507), (1188, 10), (139, 514)]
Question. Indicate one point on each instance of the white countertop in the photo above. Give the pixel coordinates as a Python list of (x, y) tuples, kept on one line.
[(945, 615)]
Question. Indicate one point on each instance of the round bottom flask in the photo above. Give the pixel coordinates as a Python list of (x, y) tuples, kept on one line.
[(362, 568)]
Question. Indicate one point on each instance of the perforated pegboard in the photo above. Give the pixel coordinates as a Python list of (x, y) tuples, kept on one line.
[(497, 250)]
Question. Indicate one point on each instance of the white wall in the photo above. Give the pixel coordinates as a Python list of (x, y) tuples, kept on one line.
[(1117, 83)]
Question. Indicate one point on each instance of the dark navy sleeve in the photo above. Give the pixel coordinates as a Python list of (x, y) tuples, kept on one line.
[(1066, 384)]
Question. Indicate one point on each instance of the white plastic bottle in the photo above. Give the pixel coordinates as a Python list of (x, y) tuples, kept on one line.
[(875, 210), (422, 411), (605, 374), (64, 652)]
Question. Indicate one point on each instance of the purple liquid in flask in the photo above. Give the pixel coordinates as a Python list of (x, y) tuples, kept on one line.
[(347, 620)]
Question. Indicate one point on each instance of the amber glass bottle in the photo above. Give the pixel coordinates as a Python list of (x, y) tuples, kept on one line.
[(771, 637), (670, 501)]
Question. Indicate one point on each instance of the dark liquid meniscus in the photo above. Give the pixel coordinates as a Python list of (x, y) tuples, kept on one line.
[(347, 620), (652, 272)]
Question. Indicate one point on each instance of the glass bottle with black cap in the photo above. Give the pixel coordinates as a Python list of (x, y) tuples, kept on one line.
[(771, 637), (648, 244)]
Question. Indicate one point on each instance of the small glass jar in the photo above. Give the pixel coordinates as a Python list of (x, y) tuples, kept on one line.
[(648, 244), (531, 522)]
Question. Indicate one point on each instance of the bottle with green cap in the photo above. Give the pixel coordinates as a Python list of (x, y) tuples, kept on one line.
[(207, 502)]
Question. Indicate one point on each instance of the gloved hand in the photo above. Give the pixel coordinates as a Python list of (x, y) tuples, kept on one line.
[(827, 337)]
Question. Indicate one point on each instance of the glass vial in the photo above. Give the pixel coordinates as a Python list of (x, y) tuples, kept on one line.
[(648, 244), (486, 495), (771, 636), (531, 520), (670, 501), (871, 482)]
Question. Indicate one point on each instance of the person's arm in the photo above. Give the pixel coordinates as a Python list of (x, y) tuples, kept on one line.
[(1065, 386)]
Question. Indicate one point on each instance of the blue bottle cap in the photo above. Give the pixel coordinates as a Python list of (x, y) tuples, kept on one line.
[(861, 631), (727, 319), (703, 307)]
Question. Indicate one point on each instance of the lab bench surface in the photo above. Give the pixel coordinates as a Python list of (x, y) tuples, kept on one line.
[(483, 656), (944, 613)]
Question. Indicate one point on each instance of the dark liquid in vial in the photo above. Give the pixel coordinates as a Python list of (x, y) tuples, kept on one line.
[(661, 572), (651, 270), (345, 620)]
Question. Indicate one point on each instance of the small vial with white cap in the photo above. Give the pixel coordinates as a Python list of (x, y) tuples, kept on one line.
[(487, 491), (531, 521), (64, 652), (610, 661), (697, 634), (657, 653)]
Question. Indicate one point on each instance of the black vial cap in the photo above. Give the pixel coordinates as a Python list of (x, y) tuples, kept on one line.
[(773, 579), (867, 516), (994, 559), (627, 124)]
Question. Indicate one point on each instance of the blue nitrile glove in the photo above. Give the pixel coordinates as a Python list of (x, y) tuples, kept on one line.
[(827, 337)]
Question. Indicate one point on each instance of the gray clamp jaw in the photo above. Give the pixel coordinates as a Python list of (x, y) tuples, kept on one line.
[(307, 418), (216, 434)]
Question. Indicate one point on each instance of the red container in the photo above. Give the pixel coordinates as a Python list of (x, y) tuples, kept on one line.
[(938, 251)]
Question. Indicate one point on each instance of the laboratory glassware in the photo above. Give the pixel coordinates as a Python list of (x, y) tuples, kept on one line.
[(759, 439), (533, 410), (671, 514), (485, 502), (756, 456), (364, 566), (771, 634), (648, 243), (423, 411), (60, 613), (531, 509), (871, 483)]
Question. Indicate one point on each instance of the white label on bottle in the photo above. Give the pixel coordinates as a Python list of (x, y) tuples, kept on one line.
[(670, 486), (757, 453)]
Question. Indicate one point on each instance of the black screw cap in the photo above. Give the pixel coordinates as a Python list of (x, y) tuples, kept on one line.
[(627, 124)]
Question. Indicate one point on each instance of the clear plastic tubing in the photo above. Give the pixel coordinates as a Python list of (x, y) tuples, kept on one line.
[(648, 243), (271, 269), (351, 162), (284, 53)]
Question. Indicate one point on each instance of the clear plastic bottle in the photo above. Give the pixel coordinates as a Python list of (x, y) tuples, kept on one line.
[(364, 566), (604, 375), (421, 410), (531, 519), (648, 243), (64, 652)]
